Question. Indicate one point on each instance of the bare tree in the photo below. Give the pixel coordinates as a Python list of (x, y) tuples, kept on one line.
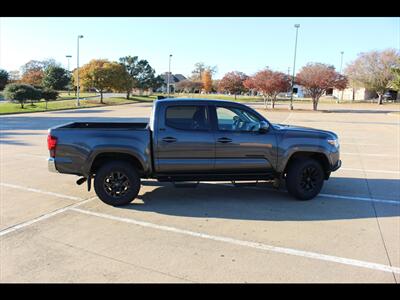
[(373, 70)]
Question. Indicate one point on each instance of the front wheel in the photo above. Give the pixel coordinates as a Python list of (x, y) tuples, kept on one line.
[(117, 183), (305, 178)]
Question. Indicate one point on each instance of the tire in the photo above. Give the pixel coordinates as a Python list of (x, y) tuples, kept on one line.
[(117, 183), (304, 179)]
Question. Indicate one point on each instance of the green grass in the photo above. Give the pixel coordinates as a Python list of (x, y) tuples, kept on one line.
[(12, 108)]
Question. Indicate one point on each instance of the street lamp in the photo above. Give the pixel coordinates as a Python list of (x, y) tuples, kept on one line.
[(77, 72), (341, 64), (294, 66), (68, 57), (341, 61), (169, 73)]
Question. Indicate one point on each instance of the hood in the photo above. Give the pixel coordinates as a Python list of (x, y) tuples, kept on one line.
[(291, 129)]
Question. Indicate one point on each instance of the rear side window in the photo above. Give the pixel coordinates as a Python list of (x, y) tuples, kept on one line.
[(187, 117)]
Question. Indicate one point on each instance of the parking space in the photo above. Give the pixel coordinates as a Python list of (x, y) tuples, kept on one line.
[(52, 230)]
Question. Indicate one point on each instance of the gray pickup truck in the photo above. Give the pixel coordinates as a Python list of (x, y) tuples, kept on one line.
[(193, 140)]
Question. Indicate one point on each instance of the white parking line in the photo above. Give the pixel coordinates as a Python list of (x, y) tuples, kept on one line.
[(39, 191), (374, 171), (360, 198), (355, 198), (255, 245), (43, 217)]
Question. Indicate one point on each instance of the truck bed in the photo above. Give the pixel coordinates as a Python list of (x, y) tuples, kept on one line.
[(104, 125), (80, 143)]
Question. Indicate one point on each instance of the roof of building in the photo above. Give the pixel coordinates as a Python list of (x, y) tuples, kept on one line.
[(173, 78)]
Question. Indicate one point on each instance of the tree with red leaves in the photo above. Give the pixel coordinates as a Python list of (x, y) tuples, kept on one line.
[(270, 84), (232, 82), (316, 78), (250, 85)]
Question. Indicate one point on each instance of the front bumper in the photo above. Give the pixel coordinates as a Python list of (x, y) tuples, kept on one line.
[(51, 165), (336, 166)]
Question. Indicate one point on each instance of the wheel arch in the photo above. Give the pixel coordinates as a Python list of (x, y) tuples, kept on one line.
[(104, 157), (318, 156)]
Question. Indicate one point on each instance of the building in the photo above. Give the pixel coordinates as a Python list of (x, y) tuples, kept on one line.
[(354, 94), (173, 80)]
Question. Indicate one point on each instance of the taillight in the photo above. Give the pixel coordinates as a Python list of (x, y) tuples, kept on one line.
[(51, 145)]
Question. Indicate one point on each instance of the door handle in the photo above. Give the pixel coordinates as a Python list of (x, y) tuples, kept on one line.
[(224, 140), (169, 139)]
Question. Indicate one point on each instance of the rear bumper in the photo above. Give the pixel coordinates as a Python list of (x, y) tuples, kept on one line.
[(51, 165), (336, 166)]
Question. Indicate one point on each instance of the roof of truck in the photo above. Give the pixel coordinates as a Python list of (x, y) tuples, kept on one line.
[(196, 100)]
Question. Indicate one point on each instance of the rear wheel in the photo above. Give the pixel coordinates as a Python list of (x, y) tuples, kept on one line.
[(305, 178), (117, 183)]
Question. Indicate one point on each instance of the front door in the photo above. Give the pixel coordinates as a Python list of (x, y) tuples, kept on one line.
[(240, 146), (185, 142)]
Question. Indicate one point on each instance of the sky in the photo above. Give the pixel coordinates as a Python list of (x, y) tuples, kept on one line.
[(231, 43)]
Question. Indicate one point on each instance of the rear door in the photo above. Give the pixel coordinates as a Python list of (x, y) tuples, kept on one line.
[(240, 146), (185, 142)]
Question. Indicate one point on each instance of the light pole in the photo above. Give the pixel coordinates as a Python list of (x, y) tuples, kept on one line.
[(341, 64), (341, 61), (294, 66), (169, 73), (68, 57), (77, 73)]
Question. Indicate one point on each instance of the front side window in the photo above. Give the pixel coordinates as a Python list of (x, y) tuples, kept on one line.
[(187, 117), (236, 119)]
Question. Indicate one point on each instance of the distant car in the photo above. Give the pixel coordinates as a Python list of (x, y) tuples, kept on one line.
[(390, 95)]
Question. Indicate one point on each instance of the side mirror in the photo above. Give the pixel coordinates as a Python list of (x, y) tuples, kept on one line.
[(264, 127)]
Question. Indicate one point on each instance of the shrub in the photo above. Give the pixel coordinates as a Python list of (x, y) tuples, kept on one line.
[(49, 94), (21, 92)]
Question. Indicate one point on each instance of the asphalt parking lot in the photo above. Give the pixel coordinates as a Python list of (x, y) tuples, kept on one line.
[(52, 230)]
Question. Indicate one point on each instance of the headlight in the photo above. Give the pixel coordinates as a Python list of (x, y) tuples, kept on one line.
[(334, 143)]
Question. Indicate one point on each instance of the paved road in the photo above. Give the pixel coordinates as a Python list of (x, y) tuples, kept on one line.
[(52, 230)]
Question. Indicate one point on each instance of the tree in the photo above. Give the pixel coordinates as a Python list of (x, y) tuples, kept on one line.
[(56, 78), (215, 84), (395, 83), (102, 75), (199, 69), (21, 93), (49, 94), (189, 86), (232, 82), (157, 82), (4, 77), (33, 71), (141, 73), (373, 70), (14, 76), (33, 77), (207, 81), (316, 78), (269, 83), (38, 65), (130, 65)]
